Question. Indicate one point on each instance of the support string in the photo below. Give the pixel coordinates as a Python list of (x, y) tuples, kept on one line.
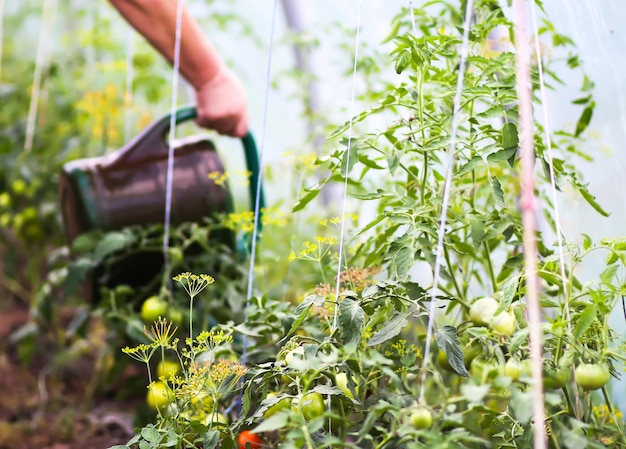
[(555, 201), (47, 18), (446, 189), (346, 174), (257, 203), (528, 203), (170, 154)]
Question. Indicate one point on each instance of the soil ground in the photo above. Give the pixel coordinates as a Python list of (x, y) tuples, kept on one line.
[(51, 403)]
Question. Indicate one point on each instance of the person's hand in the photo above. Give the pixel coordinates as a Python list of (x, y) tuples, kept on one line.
[(221, 104)]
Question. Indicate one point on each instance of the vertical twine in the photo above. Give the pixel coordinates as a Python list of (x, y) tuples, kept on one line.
[(529, 212)]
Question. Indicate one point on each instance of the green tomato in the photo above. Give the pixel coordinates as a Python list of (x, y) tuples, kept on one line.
[(483, 369), (503, 323), (482, 310), (311, 405), (167, 368), (175, 315), (555, 378), (18, 186), (159, 395), (153, 308), (342, 384), (277, 407), (5, 200), (515, 368), (591, 376), (297, 353), (421, 418)]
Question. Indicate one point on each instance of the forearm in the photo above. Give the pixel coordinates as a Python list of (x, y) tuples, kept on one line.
[(156, 21)]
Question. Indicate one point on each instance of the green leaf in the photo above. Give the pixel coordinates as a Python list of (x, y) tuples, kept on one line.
[(585, 319), (502, 155), (477, 231), (587, 242), (302, 310), (151, 435), (309, 196), (77, 272), (351, 321), (496, 189), (349, 158), (591, 200), (400, 257), (585, 118), (211, 439), (402, 61), (510, 138), (274, 422), (522, 405), (609, 273), (448, 342), (390, 329), (113, 241), (474, 162), (509, 290)]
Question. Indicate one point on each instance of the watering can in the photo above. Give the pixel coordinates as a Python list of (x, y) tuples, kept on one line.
[(128, 187)]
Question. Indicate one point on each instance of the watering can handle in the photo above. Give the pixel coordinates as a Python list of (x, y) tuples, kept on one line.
[(249, 149)]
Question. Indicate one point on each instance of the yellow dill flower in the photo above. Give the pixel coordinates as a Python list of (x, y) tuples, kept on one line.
[(193, 283), (161, 334), (141, 352)]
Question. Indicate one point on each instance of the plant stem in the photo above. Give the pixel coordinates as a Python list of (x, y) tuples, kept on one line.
[(573, 412), (454, 281), (191, 318), (616, 420), (492, 274)]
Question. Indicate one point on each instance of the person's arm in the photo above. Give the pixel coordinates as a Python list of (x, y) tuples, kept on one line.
[(220, 98)]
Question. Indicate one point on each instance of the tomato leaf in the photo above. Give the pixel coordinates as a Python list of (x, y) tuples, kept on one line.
[(449, 343), (351, 321), (509, 290), (496, 188), (477, 232), (585, 118), (591, 200), (585, 319), (389, 330), (350, 157), (113, 241), (510, 139), (310, 195), (76, 273), (302, 311), (400, 257), (151, 435), (211, 439), (274, 422), (522, 405)]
